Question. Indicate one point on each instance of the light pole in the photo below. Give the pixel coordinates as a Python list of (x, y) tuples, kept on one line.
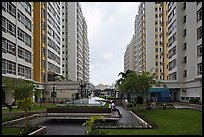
[(53, 93)]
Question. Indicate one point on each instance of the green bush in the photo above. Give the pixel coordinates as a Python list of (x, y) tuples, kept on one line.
[(131, 105), (194, 101)]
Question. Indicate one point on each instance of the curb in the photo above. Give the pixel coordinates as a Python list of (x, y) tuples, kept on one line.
[(145, 124), (40, 131)]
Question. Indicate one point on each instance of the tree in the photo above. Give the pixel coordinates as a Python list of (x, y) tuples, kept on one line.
[(137, 83), (121, 83), (23, 93)]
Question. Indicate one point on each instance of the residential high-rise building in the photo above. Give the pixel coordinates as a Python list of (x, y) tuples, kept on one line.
[(129, 56), (169, 41), (185, 47), (17, 55), (75, 46), (47, 41), (150, 51), (86, 59)]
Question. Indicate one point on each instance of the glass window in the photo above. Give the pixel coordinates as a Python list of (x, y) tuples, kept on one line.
[(199, 66), (4, 24), (199, 51), (20, 70), (4, 45), (4, 5), (11, 67), (199, 33), (11, 9), (11, 28), (20, 35), (11, 48), (21, 52), (3, 66)]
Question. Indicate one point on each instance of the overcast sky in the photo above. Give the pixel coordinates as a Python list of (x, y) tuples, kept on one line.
[(110, 29)]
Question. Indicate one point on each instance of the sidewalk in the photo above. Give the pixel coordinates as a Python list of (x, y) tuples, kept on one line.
[(127, 117)]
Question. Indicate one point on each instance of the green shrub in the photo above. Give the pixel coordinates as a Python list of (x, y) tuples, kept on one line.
[(194, 101), (131, 105)]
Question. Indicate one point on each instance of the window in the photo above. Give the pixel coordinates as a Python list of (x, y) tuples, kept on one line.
[(172, 76), (27, 7), (184, 19), (172, 39), (199, 33), (156, 22), (20, 70), (43, 26), (11, 67), (4, 45), (4, 5), (172, 64), (171, 27), (185, 46), (11, 28), (156, 43), (11, 9), (156, 50), (156, 16), (185, 73), (4, 28), (20, 35), (27, 40), (199, 51), (27, 56), (184, 59), (11, 48), (27, 72), (199, 14), (156, 63), (21, 52), (199, 66), (156, 56), (4, 66), (184, 33)]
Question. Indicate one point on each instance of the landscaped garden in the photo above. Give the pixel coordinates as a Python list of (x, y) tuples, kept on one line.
[(165, 122)]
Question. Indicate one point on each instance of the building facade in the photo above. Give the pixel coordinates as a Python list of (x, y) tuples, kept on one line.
[(75, 46), (17, 42), (129, 56), (185, 48), (47, 41), (150, 29), (169, 41)]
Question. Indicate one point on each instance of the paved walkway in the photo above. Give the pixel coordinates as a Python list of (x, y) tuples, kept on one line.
[(127, 117)]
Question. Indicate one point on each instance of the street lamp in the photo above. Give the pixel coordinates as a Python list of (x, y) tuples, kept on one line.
[(53, 93), (82, 85)]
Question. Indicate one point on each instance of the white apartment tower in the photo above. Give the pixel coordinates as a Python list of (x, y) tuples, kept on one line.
[(75, 47), (185, 47), (17, 39), (129, 56)]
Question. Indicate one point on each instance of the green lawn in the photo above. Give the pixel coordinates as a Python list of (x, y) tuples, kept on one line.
[(33, 108), (11, 131), (169, 122)]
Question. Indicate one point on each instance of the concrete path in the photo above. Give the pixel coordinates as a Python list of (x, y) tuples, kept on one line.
[(127, 117)]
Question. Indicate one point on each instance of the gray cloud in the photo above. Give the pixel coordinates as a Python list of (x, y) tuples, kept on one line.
[(110, 29)]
